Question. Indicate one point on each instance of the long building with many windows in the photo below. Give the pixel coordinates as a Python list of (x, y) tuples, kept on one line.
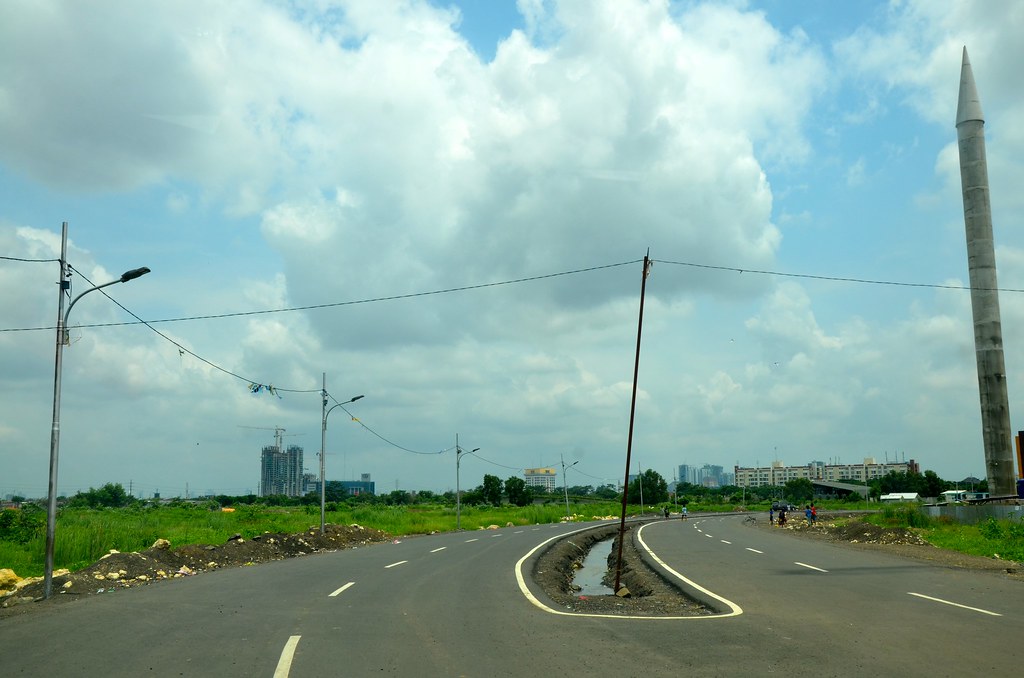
[(543, 478), (779, 474)]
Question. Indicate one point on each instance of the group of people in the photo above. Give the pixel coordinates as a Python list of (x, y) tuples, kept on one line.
[(682, 515), (810, 513)]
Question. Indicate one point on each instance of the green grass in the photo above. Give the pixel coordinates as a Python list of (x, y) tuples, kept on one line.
[(84, 535)]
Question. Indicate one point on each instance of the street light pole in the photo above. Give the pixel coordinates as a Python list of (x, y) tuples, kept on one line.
[(565, 482), (62, 323), (323, 447), (458, 493)]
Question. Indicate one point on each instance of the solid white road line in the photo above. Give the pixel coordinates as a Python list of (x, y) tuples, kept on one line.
[(810, 567), (284, 664), (754, 550), (400, 562), (440, 549), (946, 602), (521, 579), (341, 589)]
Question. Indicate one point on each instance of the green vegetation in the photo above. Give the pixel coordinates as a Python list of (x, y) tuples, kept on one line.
[(85, 534), (990, 538)]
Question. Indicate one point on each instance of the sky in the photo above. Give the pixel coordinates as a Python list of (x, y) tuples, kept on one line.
[(444, 207)]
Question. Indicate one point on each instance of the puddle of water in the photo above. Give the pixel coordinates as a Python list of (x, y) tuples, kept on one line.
[(595, 565)]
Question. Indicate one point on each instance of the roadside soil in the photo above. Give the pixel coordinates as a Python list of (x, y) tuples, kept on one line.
[(117, 571)]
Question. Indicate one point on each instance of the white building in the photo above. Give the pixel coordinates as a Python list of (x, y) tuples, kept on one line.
[(779, 474), (544, 478)]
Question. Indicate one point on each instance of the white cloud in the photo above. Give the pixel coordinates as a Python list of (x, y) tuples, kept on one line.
[(371, 153)]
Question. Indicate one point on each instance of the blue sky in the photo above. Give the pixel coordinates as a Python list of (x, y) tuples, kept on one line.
[(259, 156)]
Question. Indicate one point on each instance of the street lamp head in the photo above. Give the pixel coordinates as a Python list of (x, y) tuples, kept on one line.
[(355, 399), (134, 273), (475, 449)]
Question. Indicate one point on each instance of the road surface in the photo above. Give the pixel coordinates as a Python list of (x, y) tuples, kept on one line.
[(453, 605)]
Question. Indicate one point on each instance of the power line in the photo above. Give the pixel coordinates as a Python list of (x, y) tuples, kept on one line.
[(34, 261), (808, 276), (254, 386), (336, 304), (514, 468), (371, 431)]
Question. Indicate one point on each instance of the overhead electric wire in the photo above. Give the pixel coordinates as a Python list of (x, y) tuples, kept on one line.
[(514, 468), (395, 297), (808, 276), (181, 348), (370, 430), (34, 261)]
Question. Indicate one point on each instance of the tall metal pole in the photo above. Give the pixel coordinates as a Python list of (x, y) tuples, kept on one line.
[(323, 445), (63, 287), (458, 498), (632, 412), (62, 322), (981, 264), (323, 448), (565, 481)]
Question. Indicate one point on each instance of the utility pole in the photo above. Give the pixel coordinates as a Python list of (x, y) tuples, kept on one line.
[(632, 412)]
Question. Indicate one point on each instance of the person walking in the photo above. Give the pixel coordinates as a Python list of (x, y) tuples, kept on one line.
[(814, 514), (771, 515), (684, 514), (807, 515)]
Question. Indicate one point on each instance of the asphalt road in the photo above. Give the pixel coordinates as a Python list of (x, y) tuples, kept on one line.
[(453, 605)]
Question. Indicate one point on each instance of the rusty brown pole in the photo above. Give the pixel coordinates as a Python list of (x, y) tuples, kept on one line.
[(632, 413)]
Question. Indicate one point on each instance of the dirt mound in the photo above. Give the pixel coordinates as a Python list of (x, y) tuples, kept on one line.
[(867, 533), (160, 562)]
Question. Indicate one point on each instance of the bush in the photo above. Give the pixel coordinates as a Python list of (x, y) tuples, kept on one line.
[(20, 527)]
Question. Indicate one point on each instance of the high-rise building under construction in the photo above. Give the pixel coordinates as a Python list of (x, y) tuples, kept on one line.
[(281, 471)]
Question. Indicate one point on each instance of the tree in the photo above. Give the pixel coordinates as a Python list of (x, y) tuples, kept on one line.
[(398, 498), (607, 491), (492, 489), (799, 489), (517, 491), (655, 489), (580, 490), (111, 495)]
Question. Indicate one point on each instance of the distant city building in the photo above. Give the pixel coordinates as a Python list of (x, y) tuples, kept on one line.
[(310, 484), (708, 475), (281, 472), (779, 474), (364, 485), (543, 478)]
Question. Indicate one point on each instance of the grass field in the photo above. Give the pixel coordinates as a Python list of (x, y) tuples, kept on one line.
[(83, 535)]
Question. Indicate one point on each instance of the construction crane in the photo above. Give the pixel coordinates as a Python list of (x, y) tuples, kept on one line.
[(278, 433)]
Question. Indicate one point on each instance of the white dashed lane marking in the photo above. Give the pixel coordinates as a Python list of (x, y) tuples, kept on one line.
[(340, 590)]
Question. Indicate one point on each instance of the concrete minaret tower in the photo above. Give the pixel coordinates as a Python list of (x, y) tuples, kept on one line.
[(981, 265)]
